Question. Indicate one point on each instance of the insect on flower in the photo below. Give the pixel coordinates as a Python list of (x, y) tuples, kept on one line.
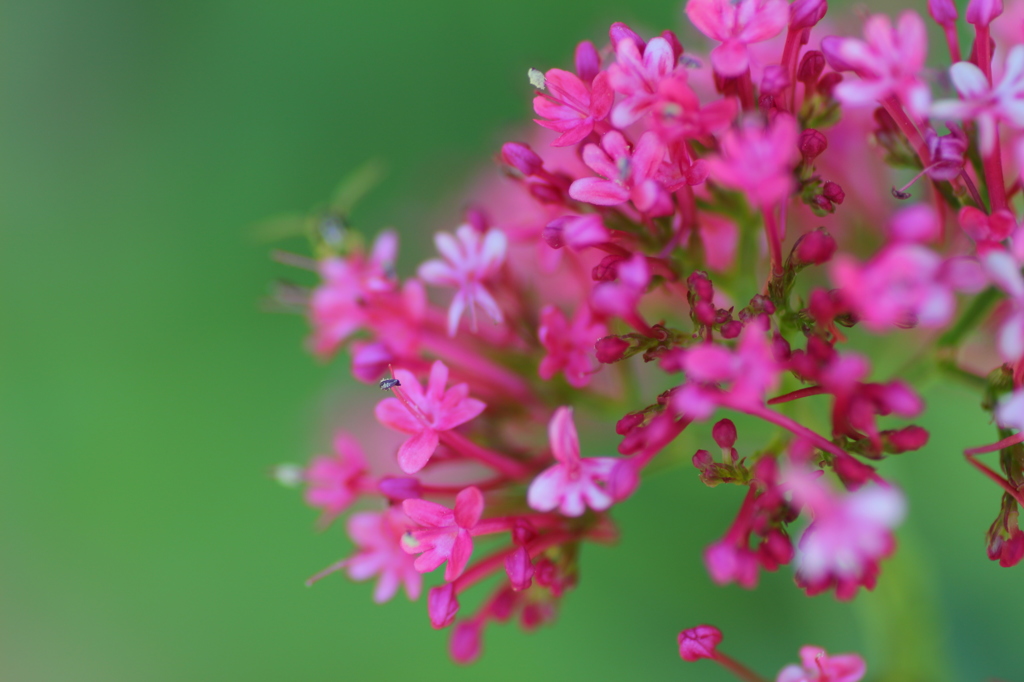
[(388, 384)]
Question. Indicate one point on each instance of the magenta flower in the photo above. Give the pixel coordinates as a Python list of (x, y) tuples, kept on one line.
[(569, 345), (470, 259), (333, 483), (574, 483), (445, 533), (818, 666), (338, 306), (902, 286), (572, 108), (425, 414), (850, 533), (699, 642), (622, 296), (378, 540), (737, 25), (626, 175), (758, 160), (984, 104), (638, 77), (889, 62)]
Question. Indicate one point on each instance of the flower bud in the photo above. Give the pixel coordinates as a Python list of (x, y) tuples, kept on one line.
[(611, 349), (607, 270), (831, 48), (552, 233), (812, 144), (442, 606), (588, 61), (519, 569), (724, 433), (774, 80), (943, 12), (732, 329), (623, 480), (699, 642), (700, 285), (781, 349), (546, 193), (828, 83), (464, 646), (522, 158), (983, 12), (815, 248), (619, 31), (833, 192), (523, 532), (811, 66), (673, 40), (704, 312), (398, 488), (804, 14), (628, 423), (907, 439), (703, 460)]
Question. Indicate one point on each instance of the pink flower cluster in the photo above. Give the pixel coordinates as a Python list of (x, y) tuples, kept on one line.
[(717, 214)]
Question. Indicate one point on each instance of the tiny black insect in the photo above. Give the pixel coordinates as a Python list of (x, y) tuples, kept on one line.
[(388, 384)]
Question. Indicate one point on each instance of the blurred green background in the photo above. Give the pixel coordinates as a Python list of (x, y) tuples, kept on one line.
[(146, 394)]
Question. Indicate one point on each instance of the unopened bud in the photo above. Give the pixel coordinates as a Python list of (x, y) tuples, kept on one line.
[(943, 12), (522, 158), (983, 12), (700, 284), (724, 433), (811, 66), (588, 61), (804, 14), (442, 606), (628, 423), (812, 144), (699, 642), (619, 31), (607, 270), (464, 646), (673, 40), (611, 349), (815, 248), (833, 192), (732, 329), (906, 439), (519, 569), (703, 460), (398, 488), (828, 83)]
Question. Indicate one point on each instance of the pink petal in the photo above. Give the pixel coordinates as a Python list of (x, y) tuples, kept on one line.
[(455, 310), (566, 86), (631, 109), (597, 160), (658, 58), (549, 108), (428, 513), (466, 410), (601, 97), (415, 452), (544, 493), (437, 382), (392, 413), (461, 550), (647, 156), (730, 58), (573, 135), (770, 18), (598, 192), (429, 560), (438, 273), (469, 505), (565, 442), (615, 144), (386, 587), (706, 15)]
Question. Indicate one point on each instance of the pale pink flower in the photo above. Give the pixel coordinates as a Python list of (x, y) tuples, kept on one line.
[(470, 260), (622, 296), (1010, 411), (338, 307), (445, 533), (572, 107), (378, 540), (849, 535), (984, 104), (426, 414), (737, 25), (569, 345), (333, 483), (574, 483), (758, 160), (818, 666), (889, 62), (628, 174), (1005, 273), (638, 77), (902, 286)]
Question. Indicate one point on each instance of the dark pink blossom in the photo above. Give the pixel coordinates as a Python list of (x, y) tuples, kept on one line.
[(572, 107), (737, 25), (758, 160), (333, 483), (470, 260), (818, 666), (626, 175), (569, 345), (699, 642), (622, 296), (574, 483), (638, 77), (425, 415), (444, 534)]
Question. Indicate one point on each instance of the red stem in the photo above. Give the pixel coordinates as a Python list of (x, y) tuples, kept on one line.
[(741, 671), (796, 395)]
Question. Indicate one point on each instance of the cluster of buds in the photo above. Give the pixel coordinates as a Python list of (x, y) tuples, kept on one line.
[(706, 218)]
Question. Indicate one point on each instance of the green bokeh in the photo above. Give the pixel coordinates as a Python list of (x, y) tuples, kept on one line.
[(145, 393)]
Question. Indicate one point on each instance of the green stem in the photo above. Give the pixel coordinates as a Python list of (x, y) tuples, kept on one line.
[(970, 319)]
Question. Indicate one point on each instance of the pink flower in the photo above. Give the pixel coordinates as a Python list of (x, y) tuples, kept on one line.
[(574, 483), (638, 77), (333, 483), (737, 25), (572, 108), (1010, 411), (1005, 273), (818, 666), (850, 533), (984, 104), (339, 305), (470, 259), (758, 160), (728, 562), (445, 535), (888, 61), (629, 174), (750, 371), (425, 415), (678, 113), (621, 297), (378, 538), (699, 642), (902, 286), (569, 346)]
